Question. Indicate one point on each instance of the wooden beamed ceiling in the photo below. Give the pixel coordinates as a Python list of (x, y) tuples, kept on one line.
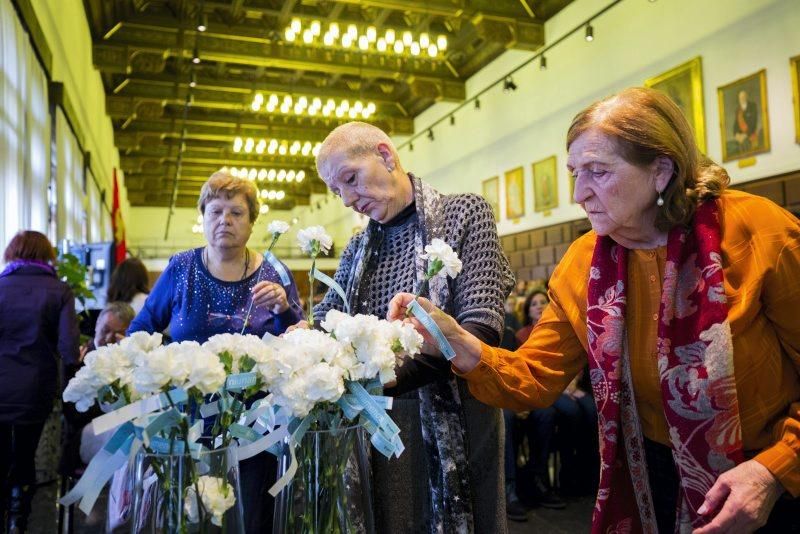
[(144, 51)]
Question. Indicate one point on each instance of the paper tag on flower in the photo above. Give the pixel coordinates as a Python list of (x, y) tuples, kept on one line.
[(286, 280), (431, 327), (331, 283), (241, 381)]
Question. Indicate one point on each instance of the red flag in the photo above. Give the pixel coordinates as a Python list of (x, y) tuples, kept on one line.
[(117, 224)]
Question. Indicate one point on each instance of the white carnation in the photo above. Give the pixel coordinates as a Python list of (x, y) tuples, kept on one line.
[(314, 234), (277, 227), (111, 363), (439, 250), (142, 341), (82, 389), (206, 371), (217, 496), (374, 342), (239, 346)]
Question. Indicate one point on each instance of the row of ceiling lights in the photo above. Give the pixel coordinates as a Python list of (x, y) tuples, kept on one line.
[(366, 39), (272, 175), (274, 146), (312, 106)]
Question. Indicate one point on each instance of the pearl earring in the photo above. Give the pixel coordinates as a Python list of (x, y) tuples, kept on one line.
[(660, 201)]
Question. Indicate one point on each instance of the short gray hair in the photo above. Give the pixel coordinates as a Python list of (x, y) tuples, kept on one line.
[(122, 310), (356, 138)]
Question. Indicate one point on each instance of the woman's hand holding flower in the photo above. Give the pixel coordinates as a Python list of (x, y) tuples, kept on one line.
[(467, 347), (270, 295)]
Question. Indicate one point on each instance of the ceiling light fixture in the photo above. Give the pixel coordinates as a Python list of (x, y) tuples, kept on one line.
[(430, 134), (589, 32), (273, 146), (509, 85), (202, 24), (543, 62), (365, 38), (195, 56), (311, 106)]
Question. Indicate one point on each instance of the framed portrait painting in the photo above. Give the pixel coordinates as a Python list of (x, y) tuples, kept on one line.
[(515, 193), (743, 117), (684, 85), (794, 63), (491, 192), (545, 185)]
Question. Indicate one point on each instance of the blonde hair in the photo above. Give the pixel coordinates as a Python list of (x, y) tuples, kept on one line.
[(225, 184), (646, 124), (357, 139)]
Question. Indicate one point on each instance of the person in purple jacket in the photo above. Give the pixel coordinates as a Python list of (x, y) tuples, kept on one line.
[(208, 291), (37, 325)]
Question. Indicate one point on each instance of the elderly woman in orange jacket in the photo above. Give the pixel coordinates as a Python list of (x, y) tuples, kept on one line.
[(684, 299)]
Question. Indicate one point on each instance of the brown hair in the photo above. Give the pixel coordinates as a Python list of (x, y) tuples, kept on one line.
[(30, 245), (646, 124), (526, 310), (128, 279), (223, 183)]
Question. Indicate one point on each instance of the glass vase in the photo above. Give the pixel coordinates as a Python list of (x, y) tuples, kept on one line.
[(165, 487), (330, 492)]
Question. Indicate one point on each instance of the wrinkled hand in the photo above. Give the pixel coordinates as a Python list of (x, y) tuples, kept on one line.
[(398, 307), (466, 346), (740, 500), (271, 296), (301, 325)]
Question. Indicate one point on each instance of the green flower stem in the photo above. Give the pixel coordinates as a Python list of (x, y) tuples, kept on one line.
[(252, 301)]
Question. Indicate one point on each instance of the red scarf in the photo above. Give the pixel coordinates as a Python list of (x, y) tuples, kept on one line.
[(695, 363)]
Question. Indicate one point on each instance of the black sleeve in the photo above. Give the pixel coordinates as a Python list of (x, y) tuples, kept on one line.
[(424, 368)]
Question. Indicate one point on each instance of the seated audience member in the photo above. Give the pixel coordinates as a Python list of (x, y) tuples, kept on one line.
[(129, 283)]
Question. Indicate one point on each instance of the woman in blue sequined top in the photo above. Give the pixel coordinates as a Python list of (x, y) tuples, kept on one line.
[(208, 290)]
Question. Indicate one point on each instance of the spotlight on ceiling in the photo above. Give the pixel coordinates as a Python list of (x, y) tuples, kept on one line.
[(509, 85), (589, 32), (477, 103), (430, 134), (543, 63), (202, 23), (452, 120), (195, 56)]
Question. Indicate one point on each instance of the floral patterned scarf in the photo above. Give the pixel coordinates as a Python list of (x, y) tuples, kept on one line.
[(695, 365)]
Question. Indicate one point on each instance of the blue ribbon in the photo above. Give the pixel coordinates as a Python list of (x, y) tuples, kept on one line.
[(331, 283), (431, 327), (385, 433), (113, 455), (286, 280)]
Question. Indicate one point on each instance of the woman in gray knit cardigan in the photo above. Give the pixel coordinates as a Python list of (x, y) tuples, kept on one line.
[(450, 477)]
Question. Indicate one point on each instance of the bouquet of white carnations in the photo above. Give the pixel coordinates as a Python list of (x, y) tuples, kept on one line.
[(184, 414)]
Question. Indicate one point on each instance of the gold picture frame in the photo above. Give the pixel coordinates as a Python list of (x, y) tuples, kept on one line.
[(794, 64), (515, 193), (684, 85), (545, 185), (491, 192), (744, 127)]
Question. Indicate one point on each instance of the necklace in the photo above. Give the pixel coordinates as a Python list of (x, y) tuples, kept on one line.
[(246, 262)]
